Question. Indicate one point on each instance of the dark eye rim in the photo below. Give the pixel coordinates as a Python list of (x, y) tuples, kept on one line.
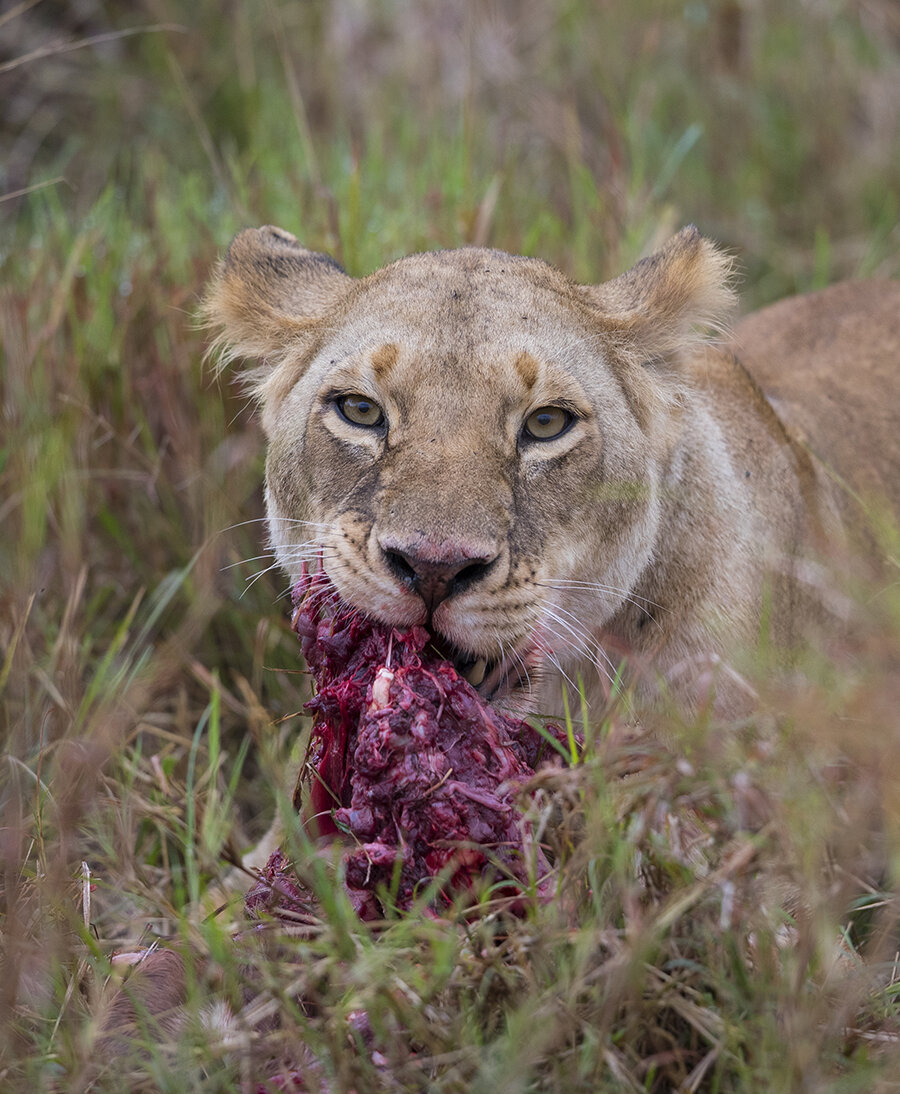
[(339, 399), (531, 438)]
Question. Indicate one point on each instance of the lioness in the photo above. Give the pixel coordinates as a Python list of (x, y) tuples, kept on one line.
[(553, 477)]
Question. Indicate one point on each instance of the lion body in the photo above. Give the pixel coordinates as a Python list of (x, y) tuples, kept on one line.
[(829, 364), (676, 510)]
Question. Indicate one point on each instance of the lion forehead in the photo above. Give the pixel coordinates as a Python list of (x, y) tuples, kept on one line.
[(496, 323), (473, 289)]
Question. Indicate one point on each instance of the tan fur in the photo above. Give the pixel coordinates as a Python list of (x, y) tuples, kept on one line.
[(652, 529), (150, 1001)]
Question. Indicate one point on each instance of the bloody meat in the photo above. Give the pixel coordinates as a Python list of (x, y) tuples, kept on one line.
[(408, 760)]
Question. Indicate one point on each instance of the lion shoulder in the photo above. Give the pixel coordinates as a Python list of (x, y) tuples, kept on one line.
[(829, 363)]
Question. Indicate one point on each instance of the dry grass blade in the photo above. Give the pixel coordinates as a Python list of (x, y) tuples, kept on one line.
[(56, 48)]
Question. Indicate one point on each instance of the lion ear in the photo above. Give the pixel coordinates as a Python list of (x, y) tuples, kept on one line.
[(268, 294), (663, 304)]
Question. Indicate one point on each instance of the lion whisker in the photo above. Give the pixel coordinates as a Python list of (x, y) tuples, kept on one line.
[(555, 662), (293, 552), (517, 659), (588, 643), (594, 647), (291, 549), (244, 561), (311, 547), (286, 520), (641, 602), (252, 580)]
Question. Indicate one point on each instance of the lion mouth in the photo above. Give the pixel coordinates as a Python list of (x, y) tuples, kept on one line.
[(493, 678), (497, 679)]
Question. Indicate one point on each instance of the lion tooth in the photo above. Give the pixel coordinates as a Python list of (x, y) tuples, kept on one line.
[(475, 674)]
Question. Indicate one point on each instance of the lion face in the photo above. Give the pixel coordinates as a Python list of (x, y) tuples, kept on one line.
[(465, 439)]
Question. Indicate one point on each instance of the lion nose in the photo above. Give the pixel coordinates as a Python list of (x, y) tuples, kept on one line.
[(436, 573)]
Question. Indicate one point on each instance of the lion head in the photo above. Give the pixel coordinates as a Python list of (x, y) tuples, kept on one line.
[(469, 440)]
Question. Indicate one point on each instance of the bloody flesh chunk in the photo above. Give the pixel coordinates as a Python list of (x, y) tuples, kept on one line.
[(408, 760)]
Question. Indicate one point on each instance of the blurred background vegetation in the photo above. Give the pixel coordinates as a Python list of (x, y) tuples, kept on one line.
[(148, 680)]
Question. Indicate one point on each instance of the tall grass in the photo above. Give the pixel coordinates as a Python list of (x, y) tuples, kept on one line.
[(727, 915)]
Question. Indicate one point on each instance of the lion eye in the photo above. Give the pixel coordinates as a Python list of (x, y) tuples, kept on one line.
[(358, 410), (547, 422)]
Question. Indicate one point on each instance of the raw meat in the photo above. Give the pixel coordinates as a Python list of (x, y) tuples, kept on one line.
[(419, 773)]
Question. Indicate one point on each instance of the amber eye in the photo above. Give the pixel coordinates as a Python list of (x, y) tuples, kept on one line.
[(358, 410), (547, 422)]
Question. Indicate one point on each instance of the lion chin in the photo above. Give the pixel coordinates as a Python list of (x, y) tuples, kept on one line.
[(566, 481)]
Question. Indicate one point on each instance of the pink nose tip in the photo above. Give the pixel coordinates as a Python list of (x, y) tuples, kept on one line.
[(436, 573)]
